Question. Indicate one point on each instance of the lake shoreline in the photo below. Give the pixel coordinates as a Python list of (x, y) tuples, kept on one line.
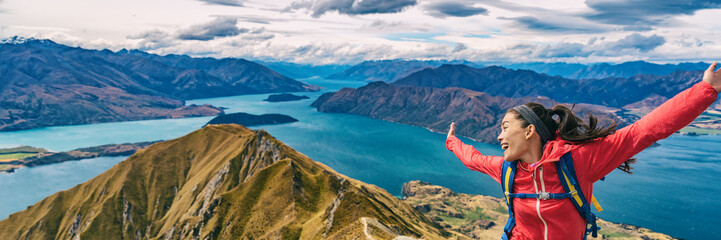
[(47, 157)]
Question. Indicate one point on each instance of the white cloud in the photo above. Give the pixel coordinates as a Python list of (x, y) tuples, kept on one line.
[(351, 7), (218, 28), (349, 31)]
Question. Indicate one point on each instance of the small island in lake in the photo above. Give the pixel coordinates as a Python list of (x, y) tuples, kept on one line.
[(284, 97), (27, 156), (246, 119)]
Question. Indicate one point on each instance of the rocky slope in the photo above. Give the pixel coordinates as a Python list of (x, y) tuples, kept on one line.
[(498, 81), (220, 182), (46, 84), (482, 217), (478, 115)]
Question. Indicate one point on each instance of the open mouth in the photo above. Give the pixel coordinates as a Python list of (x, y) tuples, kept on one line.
[(504, 146)]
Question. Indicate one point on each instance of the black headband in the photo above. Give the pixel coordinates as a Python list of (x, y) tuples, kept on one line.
[(532, 118)]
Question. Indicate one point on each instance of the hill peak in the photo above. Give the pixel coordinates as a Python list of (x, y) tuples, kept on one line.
[(222, 181), (454, 65)]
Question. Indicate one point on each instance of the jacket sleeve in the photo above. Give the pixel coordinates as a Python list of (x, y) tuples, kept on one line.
[(474, 160), (605, 154)]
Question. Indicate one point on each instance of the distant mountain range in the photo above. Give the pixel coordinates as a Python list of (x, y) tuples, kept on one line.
[(391, 70), (388, 70), (477, 114), (499, 81), (606, 70), (206, 77), (43, 83), (296, 70), (220, 182)]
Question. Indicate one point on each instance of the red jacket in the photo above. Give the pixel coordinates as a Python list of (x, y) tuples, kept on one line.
[(558, 218)]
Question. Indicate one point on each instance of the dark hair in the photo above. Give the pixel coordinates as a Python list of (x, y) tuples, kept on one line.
[(572, 128)]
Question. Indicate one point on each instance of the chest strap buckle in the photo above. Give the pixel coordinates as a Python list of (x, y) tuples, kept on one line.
[(544, 196)]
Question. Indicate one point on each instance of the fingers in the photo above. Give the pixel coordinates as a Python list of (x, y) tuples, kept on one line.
[(712, 67), (452, 130)]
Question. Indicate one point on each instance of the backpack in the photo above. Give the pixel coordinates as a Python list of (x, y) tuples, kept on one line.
[(567, 174)]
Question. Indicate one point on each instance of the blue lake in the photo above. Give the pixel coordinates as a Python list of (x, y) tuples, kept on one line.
[(669, 192)]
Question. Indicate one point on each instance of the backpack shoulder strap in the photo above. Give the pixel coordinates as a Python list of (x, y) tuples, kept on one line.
[(508, 173), (569, 181)]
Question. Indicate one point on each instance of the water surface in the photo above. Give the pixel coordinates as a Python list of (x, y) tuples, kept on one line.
[(670, 191)]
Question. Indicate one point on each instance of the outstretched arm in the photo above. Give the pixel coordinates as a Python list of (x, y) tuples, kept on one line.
[(609, 152), (473, 159), (712, 77)]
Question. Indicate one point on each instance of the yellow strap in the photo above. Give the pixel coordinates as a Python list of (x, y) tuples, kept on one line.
[(508, 177), (595, 203), (573, 190)]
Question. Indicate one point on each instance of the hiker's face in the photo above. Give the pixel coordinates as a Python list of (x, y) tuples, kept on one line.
[(513, 137)]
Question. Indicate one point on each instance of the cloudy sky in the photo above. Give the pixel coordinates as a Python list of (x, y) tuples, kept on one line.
[(350, 31)]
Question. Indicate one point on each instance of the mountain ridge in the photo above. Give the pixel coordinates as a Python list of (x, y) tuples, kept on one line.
[(499, 81), (477, 114), (388, 70), (222, 181), (298, 70), (606, 70), (43, 83)]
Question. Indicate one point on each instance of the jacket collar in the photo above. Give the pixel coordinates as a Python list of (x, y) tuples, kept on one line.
[(554, 150)]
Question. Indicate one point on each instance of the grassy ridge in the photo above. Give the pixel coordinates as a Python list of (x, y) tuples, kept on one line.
[(220, 182)]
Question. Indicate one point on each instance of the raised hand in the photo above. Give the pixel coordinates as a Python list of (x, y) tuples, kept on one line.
[(713, 77), (452, 131)]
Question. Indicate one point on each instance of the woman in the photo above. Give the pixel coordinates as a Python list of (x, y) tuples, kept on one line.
[(531, 136)]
